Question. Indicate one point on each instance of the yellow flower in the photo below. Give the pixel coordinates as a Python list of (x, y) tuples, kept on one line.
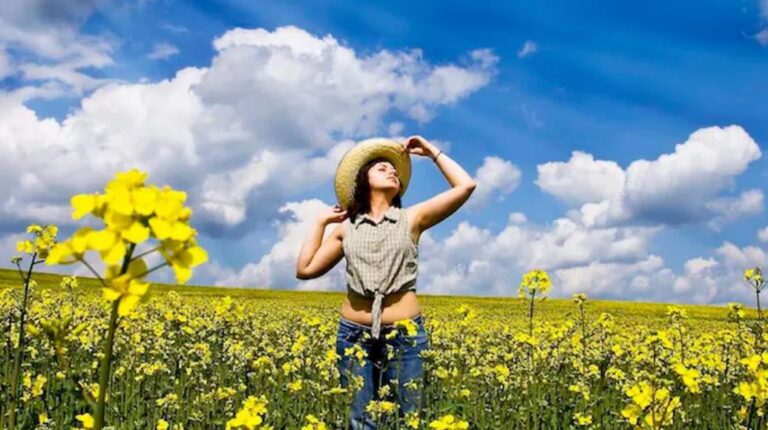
[(641, 394), (410, 327), (25, 246), (87, 420), (582, 419), (754, 276), (82, 204), (378, 408), (449, 422), (182, 261), (162, 424), (249, 417), (412, 420), (128, 287), (632, 412), (37, 387), (144, 200), (736, 310), (535, 281), (689, 376), (579, 298), (132, 213), (314, 424), (295, 386)]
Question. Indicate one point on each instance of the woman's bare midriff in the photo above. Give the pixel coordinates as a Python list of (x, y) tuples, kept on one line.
[(395, 306)]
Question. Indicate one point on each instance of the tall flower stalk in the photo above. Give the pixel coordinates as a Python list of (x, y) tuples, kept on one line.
[(754, 277), (132, 213), (535, 281), (39, 246)]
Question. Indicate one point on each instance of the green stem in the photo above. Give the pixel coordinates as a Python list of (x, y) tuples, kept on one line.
[(106, 363), (530, 315), (20, 350), (105, 367)]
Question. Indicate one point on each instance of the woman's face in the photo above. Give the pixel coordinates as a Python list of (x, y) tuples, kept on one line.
[(383, 176)]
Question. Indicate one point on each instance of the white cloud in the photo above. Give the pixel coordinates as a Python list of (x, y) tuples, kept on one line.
[(529, 47), (613, 279), (729, 208), (495, 175), (517, 218), (582, 179), (763, 234), (163, 51), (475, 261), (54, 48), (762, 37), (260, 124), (605, 263), (277, 269), (6, 66), (675, 188)]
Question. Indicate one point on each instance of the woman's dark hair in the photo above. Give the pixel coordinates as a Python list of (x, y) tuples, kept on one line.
[(361, 203)]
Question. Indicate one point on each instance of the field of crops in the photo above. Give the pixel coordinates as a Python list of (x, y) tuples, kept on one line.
[(113, 351), (191, 357)]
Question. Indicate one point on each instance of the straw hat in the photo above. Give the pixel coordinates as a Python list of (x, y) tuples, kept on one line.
[(363, 152)]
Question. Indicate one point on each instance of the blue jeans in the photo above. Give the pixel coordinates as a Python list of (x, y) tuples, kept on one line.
[(377, 370)]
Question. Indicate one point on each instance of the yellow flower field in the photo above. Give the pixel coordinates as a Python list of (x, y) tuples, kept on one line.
[(114, 351), (194, 357)]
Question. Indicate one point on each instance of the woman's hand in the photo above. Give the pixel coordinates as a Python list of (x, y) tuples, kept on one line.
[(419, 146), (336, 214)]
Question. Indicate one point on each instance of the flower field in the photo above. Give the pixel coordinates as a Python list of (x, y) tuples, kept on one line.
[(193, 357), (114, 351)]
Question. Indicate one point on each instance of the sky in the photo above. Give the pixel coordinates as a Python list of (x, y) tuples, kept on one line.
[(618, 146)]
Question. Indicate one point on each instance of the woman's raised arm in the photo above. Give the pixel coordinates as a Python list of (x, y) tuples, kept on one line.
[(314, 262), (439, 207)]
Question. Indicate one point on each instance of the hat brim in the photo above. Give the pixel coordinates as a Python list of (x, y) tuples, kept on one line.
[(359, 155)]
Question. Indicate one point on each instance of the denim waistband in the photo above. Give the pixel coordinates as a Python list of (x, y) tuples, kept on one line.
[(418, 319)]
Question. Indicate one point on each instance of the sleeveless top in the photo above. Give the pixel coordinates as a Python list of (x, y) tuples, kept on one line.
[(381, 258)]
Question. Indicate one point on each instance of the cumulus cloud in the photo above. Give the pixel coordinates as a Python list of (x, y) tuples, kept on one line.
[(476, 261), (763, 234), (676, 188), (582, 179), (233, 135), (48, 32), (606, 263), (729, 208), (517, 218), (277, 268), (494, 176)]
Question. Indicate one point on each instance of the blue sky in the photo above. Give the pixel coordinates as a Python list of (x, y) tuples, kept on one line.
[(533, 83)]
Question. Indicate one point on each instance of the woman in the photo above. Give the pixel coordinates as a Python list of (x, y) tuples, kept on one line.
[(380, 240)]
